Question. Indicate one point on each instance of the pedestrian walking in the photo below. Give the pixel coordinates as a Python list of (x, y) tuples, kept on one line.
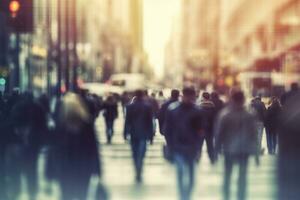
[(29, 127), (162, 112), (259, 109), (236, 137), (272, 122), (209, 113), (139, 129), (78, 147), (152, 101), (110, 113), (183, 127), (289, 151)]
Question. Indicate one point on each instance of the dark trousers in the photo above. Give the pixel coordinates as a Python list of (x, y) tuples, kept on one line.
[(185, 176), (210, 146), (109, 123), (138, 147), (242, 162), (271, 140)]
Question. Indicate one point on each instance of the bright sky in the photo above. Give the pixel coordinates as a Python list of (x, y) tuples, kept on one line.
[(158, 17)]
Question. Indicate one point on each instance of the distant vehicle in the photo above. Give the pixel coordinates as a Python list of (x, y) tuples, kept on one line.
[(128, 82), (102, 89)]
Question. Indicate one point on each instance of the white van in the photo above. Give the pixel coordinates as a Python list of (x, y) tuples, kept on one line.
[(128, 82)]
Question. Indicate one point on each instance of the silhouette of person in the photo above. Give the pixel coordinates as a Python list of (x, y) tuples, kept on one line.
[(110, 113), (183, 127), (289, 151), (236, 136), (29, 124), (79, 153), (139, 126), (272, 124), (209, 113)]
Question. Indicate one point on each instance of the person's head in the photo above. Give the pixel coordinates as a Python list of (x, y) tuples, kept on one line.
[(258, 98), (238, 98), (161, 94), (139, 94), (274, 100), (189, 95), (214, 95), (175, 94), (153, 95), (294, 86), (110, 98), (205, 96)]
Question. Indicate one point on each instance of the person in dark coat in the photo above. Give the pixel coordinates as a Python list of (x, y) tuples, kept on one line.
[(139, 126), (236, 136), (125, 100), (110, 113), (183, 127), (289, 151), (162, 112), (209, 113), (259, 109), (29, 123), (286, 96), (78, 146), (272, 124), (152, 101)]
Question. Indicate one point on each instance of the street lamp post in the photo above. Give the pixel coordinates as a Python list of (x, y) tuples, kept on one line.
[(75, 55), (59, 63), (216, 54), (49, 54), (67, 41)]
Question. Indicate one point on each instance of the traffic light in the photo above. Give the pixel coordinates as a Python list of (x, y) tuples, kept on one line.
[(20, 14), (14, 8)]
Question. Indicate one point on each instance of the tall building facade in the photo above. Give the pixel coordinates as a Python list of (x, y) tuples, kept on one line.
[(114, 38)]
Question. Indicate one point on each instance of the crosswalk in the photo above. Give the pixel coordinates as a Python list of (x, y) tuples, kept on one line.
[(159, 179)]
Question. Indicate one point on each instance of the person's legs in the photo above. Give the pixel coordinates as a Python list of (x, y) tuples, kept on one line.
[(210, 147), (138, 147), (269, 140), (227, 176), (201, 142), (274, 142), (191, 171), (140, 158), (242, 180), (180, 168), (134, 147), (260, 129), (30, 172), (108, 125)]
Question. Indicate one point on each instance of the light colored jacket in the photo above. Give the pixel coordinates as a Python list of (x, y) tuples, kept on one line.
[(235, 131)]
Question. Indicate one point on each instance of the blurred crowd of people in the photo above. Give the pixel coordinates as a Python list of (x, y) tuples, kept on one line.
[(64, 128)]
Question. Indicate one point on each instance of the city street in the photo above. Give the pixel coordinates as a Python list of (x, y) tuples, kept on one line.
[(64, 61), (159, 181)]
